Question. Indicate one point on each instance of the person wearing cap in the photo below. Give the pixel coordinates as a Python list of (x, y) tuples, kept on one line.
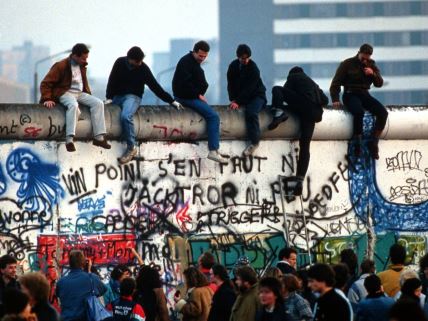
[(125, 88), (356, 75)]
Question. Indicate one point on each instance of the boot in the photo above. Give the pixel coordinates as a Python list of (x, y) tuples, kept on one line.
[(373, 145)]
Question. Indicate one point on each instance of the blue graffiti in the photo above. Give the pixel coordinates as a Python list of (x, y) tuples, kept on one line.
[(39, 184), (3, 184), (365, 195)]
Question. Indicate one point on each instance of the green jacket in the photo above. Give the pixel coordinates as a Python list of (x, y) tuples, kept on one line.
[(246, 305)]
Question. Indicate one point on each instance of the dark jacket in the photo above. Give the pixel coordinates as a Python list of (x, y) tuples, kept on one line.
[(244, 82), (45, 312), (285, 268), (58, 81), (154, 304), (189, 79), (350, 74), (13, 284), (374, 309), (126, 79), (278, 314), (313, 97), (331, 306), (223, 300)]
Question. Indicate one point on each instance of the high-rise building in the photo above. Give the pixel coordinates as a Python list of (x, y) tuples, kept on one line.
[(319, 34)]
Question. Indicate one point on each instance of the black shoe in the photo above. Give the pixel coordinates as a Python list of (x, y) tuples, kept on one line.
[(70, 147), (101, 143), (277, 120)]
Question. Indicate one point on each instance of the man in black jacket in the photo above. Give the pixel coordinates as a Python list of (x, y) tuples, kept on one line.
[(189, 86), (7, 277), (305, 100), (245, 88), (224, 297), (125, 87)]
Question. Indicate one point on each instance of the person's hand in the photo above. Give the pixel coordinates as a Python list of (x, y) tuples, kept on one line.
[(368, 71), (202, 97), (177, 296), (177, 105), (233, 105), (107, 101), (49, 104), (336, 104), (89, 262)]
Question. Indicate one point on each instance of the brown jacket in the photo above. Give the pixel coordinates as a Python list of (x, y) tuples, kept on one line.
[(58, 81), (350, 74), (163, 314), (198, 305)]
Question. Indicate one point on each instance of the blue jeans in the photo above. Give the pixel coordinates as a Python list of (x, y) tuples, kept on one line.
[(129, 104), (252, 110), (210, 116)]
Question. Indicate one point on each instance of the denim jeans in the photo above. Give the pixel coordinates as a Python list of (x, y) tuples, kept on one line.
[(129, 104), (210, 116), (252, 110), (96, 107)]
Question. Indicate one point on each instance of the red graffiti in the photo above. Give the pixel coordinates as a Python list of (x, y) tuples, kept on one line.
[(32, 131), (175, 132), (182, 218)]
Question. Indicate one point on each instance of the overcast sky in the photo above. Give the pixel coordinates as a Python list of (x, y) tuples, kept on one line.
[(110, 27)]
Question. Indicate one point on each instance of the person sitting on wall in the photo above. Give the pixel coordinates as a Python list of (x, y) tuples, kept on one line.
[(66, 83), (356, 74), (246, 89), (125, 87)]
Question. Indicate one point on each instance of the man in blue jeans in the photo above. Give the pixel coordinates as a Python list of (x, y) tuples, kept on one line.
[(189, 86), (246, 89), (125, 87)]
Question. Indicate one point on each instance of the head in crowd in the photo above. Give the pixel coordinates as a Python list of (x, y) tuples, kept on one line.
[(36, 286), (127, 286), (242, 261), (273, 272), (341, 278), (407, 274), (135, 56), (120, 272), (320, 277), (246, 277), (200, 51), (270, 292), (348, 257), (367, 266), (243, 52), (8, 267), (206, 261), (397, 254), (365, 53), (302, 278), (373, 285), (80, 53), (219, 274), (423, 266), (288, 255), (76, 259), (194, 278), (16, 302), (295, 70), (148, 278), (290, 284), (411, 289), (406, 310)]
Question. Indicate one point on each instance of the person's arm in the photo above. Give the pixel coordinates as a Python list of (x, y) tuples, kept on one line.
[(377, 77), (304, 308), (336, 83), (113, 79), (49, 82), (137, 313), (155, 87), (230, 89), (137, 256), (250, 84), (100, 286), (193, 306)]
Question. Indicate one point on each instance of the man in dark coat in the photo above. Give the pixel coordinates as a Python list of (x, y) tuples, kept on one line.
[(246, 89), (304, 99), (224, 297), (7, 277)]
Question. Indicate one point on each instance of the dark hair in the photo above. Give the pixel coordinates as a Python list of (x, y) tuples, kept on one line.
[(274, 272), (322, 273), (348, 257), (7, 259), (14, 301), (409, 287), (127, 286), (37, 285), (194, 278), (135, 53), (406, 310), (246, 274), (423, 263), (303, 275), (220, 271), (148, 278), (243, 49), (76, 259), (286, 252), (290, 282), (397, 253), (372, 284), (201, 45), (341, 272), (13, 317), (295, 70), (79, 49), (274, 285), (366, 49), (118, 271), (207, 260), (367, 266)]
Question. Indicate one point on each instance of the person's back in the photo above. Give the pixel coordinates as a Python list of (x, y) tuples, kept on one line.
[(390, 278), (374, 309), (125, 309)]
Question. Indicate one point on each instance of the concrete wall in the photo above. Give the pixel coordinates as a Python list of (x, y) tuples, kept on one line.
[(172, 204)]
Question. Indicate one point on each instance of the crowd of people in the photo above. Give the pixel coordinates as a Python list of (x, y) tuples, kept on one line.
[(346, 291)]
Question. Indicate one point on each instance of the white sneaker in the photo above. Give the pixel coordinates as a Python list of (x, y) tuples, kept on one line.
[(250, 149), (214, 155), (128, 156)]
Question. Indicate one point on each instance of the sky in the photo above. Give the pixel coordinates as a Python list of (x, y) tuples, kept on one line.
[(110, 27)]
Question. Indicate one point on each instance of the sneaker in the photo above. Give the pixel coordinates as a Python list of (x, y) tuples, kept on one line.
[(277, 120), (70, 147), (128, 156), (250, 149), (374, 149), (101, 143), (215, 156)]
